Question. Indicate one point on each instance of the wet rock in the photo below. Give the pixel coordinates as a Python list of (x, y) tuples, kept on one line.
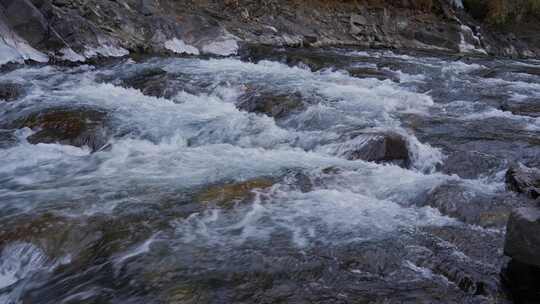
[(224, 195), (377, 147), (47, 230), (152, 82), (531, 108), (380, 258), (10, 91), (523, 236), (309, 58), (275, 105), (157, 82), (300, 181), (480, 245), (491, 136), (373, 73), (76, 127), (523, 282), (444, 258), (522, 244), (501, 72), (471, 164), (145, 26), (470, 206), (523, 180), (28, 21)]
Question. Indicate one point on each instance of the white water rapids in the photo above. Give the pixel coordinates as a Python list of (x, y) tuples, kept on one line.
[(179, 145)]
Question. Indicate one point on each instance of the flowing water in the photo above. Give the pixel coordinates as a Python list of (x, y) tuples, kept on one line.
[(195, 200)]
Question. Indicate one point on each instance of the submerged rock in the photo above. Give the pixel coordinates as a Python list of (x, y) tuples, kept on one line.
[(47, 230), (373, 73), (152, 82), (75, 127), (157, 82), (443, 255), (10, 91), (471, 164), (277, 105), (385, 147), (522, 244), (531, 108), (523, 180), (224, 195), (472, 207)]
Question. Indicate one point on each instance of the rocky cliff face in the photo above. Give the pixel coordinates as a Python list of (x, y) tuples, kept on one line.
[(75, 30)]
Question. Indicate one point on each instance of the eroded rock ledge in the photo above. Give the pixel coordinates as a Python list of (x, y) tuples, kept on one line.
[(77, 30)]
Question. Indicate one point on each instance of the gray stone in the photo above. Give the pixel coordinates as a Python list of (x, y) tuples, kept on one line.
[(471, 164), (373, 73), (470, 206), (523, 180), (523, 236), (145, 25), (277, 105), (383, 147), (152, 82), (10, 91), (29, 23)]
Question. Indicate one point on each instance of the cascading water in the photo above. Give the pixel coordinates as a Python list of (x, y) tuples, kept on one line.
[(191, 198)]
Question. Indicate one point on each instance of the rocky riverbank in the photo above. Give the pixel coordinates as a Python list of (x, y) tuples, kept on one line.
[(60, 30), (292, 171)]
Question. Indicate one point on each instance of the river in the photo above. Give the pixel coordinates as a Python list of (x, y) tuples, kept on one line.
[(185, 190)]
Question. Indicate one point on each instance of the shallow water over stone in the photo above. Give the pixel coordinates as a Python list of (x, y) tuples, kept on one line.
[(229, 181)]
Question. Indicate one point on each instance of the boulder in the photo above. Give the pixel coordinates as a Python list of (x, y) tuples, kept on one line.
[(152, 82), (10, 91), (29, 23), (523, 236), (523, 180), (304, 57), (386, 147), (159, 83), (224, 195), (76, 127), (522, 281), (277, 105), (362, 72), (522, 244)]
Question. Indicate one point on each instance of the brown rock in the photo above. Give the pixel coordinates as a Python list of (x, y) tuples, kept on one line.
[(379, 147), (229, 193), (76, 127)]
